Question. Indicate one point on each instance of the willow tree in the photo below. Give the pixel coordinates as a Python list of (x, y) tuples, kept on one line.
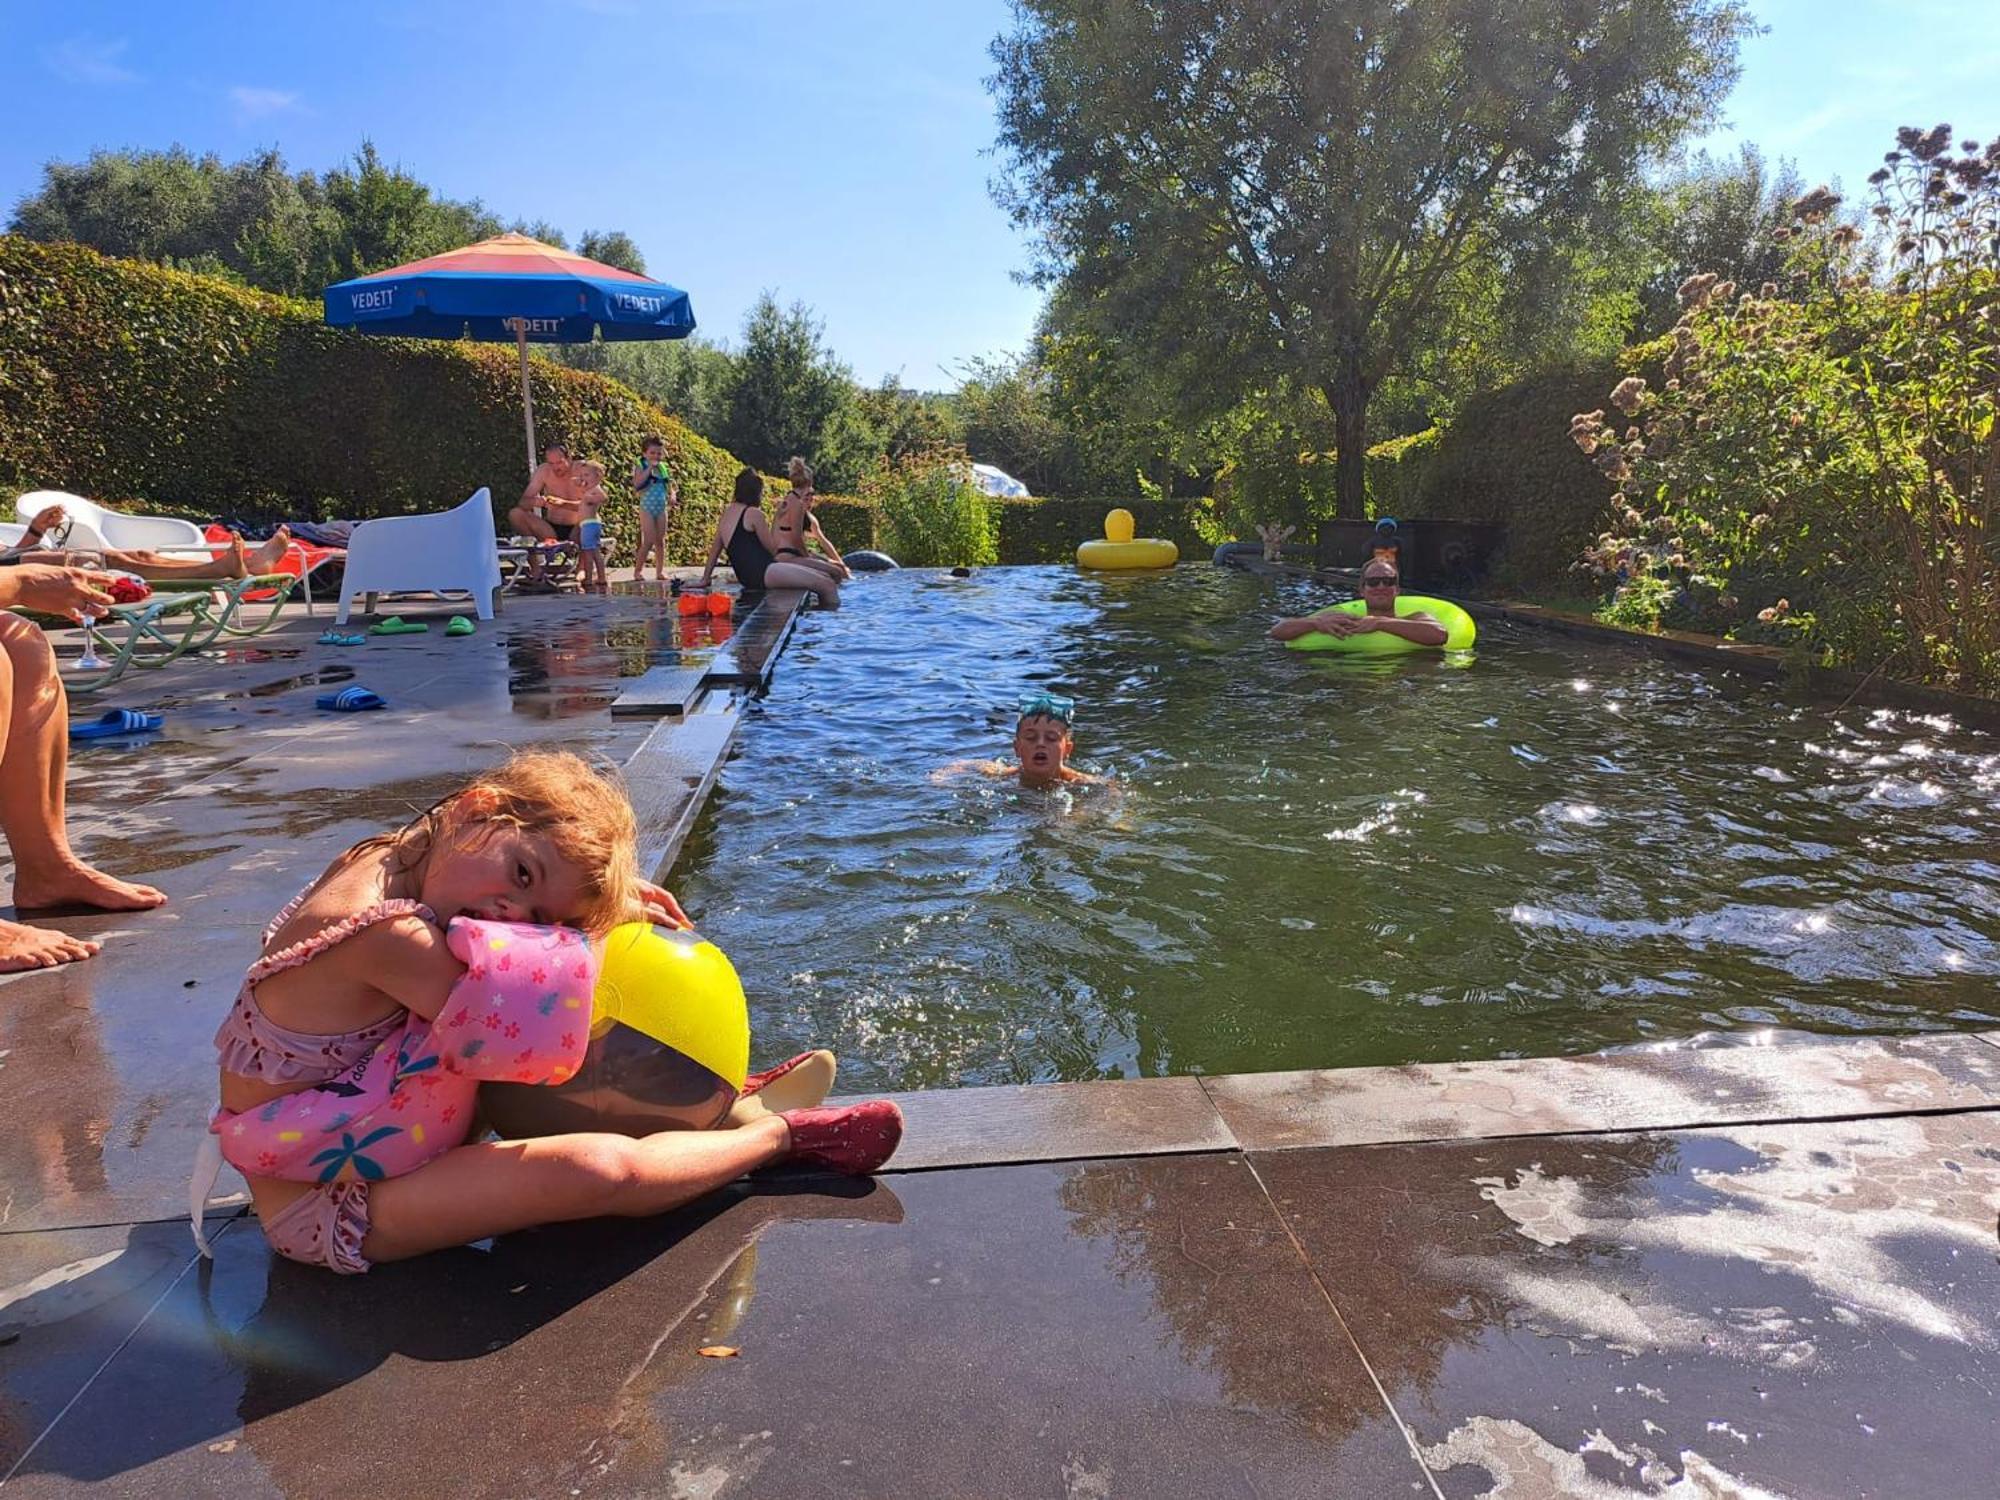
[(1317, 192)]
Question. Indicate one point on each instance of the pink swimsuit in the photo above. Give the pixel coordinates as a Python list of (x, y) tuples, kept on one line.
[(398, 1093)]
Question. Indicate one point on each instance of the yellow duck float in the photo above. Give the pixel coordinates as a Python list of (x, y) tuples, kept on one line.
[(1121, 550)]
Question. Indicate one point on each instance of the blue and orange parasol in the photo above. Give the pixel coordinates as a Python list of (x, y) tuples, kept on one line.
[(511, 289)]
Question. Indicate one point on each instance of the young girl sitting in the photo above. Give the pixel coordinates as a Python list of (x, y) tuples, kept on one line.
[(404, 975)]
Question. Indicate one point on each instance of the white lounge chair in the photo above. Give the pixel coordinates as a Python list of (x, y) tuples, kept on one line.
[(95, 528), (456, 551)]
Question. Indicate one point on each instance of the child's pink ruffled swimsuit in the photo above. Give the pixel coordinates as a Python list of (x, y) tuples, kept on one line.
[(392, 1096)]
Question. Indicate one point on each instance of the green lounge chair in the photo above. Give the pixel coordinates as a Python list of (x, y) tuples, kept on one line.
[(149, 637), (233, 592)]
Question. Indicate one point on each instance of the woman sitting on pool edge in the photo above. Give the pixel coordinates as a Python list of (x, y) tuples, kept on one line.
[(1379, 586), (794, 528), (744, 533), (1042, 742)]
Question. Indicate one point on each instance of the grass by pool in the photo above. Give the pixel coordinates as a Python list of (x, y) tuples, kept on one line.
[(1313, 862)]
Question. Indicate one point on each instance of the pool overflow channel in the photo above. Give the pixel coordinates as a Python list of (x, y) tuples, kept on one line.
[(678, 764), (675, 767)]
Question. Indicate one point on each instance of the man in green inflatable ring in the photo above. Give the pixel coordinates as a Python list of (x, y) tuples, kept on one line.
[(1379, 586)]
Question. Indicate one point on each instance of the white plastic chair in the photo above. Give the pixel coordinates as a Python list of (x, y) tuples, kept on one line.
[(94, 527), (455, 551)]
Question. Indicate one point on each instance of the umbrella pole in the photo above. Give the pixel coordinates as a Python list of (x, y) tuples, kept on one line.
[(527, 396)]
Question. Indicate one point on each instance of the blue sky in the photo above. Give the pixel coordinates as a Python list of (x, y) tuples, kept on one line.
[(833, 151)]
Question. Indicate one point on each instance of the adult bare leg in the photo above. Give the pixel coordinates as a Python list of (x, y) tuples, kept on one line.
[(792, 574), (21, 946), (530, 523), (34, 760), (238, 562)]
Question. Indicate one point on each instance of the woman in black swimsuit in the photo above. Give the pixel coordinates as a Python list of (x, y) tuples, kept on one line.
[(745, 535)]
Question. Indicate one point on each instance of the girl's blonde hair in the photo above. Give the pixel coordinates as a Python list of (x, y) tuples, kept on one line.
[(593, 466), (799, 469), (582, 811)]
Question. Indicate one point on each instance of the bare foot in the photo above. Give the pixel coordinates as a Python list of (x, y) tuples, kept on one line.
[(77, 884), (38, 948), (271, 553), (237, 564)]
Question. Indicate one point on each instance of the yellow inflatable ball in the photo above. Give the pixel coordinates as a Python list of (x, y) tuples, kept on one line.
[(669, 1045)]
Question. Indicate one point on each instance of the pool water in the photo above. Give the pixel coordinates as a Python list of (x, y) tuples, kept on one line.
[(1316, 862)]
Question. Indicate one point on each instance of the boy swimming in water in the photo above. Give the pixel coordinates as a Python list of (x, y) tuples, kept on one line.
[(1043, 742)]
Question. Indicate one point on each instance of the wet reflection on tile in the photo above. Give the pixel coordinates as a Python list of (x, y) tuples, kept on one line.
[(1763, 1310), (1095, 1329), (103, 1100), (67, 1300), (106, 1070), (1644, 1090)]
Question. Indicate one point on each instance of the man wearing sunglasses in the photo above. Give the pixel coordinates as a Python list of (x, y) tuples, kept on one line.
[(1379, 586)]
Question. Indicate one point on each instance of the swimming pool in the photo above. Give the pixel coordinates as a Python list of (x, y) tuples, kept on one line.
[(1317, 862)]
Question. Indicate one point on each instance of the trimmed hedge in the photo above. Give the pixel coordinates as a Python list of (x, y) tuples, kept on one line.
[(150, 389), (1507, 458), (1044, 531), (1395, 470)]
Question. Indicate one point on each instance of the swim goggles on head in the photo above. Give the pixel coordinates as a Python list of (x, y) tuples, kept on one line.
[(1048, 706)]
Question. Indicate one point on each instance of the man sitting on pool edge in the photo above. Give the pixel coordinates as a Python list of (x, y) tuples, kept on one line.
[(1379, 585), (1042, 741)]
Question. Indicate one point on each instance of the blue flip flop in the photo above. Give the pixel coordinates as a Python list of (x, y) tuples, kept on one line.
[(352, 700), (335, 638), (113, 722)]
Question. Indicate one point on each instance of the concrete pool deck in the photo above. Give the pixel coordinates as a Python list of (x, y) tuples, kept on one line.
[(1734, 1271)]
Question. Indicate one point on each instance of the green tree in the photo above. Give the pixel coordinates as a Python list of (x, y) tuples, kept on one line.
[(1301, 190), (1006, 412), (788, 394), (614, 247), (689, 377), (256, 221), (386, 216), (1726, 217), (904, 422), (154, 205)]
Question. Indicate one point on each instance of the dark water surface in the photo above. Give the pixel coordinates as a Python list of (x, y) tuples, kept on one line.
[(1312, 862)]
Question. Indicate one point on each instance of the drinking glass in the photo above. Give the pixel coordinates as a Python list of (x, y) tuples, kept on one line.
[(90, 661)]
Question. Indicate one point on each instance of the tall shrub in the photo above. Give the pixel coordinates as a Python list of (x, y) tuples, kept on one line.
[(930, 514), (1837, 444)]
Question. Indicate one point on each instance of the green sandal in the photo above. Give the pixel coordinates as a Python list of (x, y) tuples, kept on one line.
[(459, 626), (397, 625)]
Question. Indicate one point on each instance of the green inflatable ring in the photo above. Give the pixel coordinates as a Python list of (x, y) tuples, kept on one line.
[(1459, 631)]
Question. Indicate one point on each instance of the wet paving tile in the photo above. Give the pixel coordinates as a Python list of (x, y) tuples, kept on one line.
[(1607, 1091), (1783, 1310), (106, 1070), (107, 1076), (1057, 1122), (67, 1301), (1095, 1329)]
